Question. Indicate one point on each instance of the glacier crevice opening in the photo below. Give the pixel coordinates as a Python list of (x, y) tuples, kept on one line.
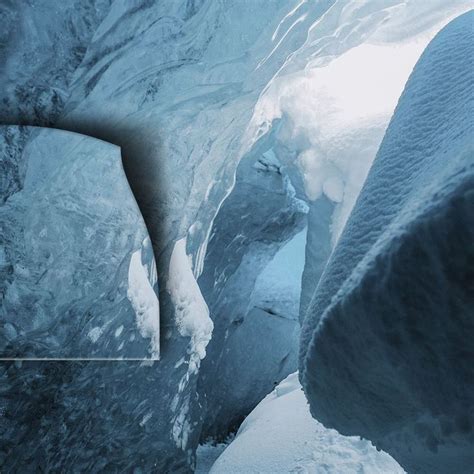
[(386, 348), (251, 280)]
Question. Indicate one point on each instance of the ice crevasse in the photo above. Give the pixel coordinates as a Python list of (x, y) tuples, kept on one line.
[(386, 347)]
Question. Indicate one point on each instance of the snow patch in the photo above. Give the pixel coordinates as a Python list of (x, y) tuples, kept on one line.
[(144, 301), (192, 313)]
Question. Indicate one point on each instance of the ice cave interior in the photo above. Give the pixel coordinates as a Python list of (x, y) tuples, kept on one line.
[(247, 130)]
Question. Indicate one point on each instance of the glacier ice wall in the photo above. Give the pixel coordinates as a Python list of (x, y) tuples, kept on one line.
[(386, 348), (187, 89), (77, 281), (256, 320)]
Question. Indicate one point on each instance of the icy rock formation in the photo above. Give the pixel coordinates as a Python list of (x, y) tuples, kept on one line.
[(77, 280), (387, 342), (281, 437), (251, 291)]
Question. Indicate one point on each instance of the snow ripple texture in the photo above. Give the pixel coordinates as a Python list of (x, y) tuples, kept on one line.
[(281, 437), (386, 347)]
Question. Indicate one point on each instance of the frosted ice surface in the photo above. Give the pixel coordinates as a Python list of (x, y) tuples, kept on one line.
[(386, 349), (76, 259)]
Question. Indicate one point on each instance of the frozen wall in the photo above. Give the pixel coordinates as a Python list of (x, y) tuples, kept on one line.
[(252, 286), (386, 347), (187, 89), (174, 85), (77, 281)]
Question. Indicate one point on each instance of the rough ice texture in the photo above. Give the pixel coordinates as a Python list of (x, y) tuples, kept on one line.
[(42, 45), (281, 437), (175, 83), (386, 349), (71, 235), (252, 290)]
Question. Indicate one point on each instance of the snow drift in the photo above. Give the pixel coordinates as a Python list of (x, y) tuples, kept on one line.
[(280, 437), (77, 280), (386, 348)]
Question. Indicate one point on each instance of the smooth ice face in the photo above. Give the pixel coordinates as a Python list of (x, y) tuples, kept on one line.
[(280, 436), (79, 278), (251, 280), (386, 348)]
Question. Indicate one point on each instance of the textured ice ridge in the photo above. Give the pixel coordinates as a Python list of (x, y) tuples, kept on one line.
[(386, 347)]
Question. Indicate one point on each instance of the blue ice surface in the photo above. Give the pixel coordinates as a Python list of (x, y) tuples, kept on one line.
[(387, 347), (74, 254), (76, 262)]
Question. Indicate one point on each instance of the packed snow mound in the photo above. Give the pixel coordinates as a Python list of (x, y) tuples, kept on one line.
[(386, 348), (280, 436), (76, 259)]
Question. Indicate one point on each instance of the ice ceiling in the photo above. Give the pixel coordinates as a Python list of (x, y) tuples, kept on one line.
[(337, 92)]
